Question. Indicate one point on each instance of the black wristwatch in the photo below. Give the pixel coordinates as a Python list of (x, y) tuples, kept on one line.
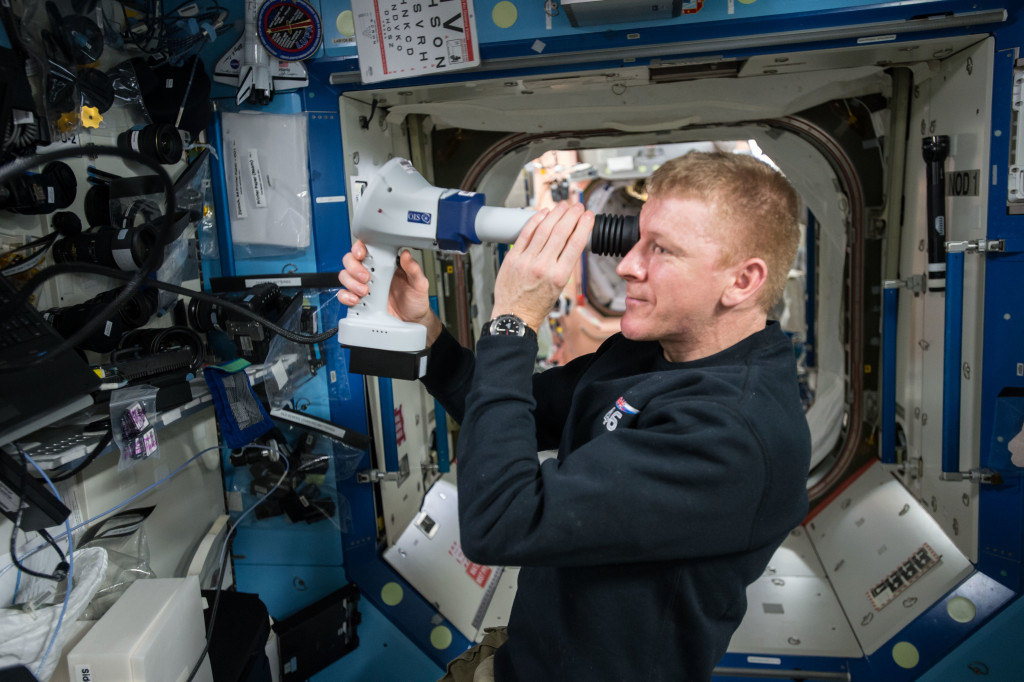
[(506, 325)]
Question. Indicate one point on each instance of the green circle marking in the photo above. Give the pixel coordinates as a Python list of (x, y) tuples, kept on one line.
[(961, 609), (906, 655), (391, 594), (504, 14), (346, 24), (441, 637)]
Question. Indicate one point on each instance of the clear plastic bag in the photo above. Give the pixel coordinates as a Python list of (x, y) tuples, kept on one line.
[(288, 359), (132, 411), (267, 178), (81, 62), (123, 538)]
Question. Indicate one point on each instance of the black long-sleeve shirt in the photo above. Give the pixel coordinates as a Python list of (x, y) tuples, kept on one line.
[(673, 486)]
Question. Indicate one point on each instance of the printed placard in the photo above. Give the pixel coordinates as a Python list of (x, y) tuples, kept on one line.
[(478, 573), (905, 574), (409, 38)]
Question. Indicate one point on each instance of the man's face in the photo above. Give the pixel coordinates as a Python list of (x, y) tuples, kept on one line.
[(673, 279)]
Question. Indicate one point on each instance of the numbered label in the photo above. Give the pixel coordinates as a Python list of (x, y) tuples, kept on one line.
[(963, 183)]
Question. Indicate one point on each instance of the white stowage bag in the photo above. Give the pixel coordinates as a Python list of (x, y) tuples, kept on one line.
[(24, 635)]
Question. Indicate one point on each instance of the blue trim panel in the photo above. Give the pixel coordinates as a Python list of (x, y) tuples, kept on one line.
[(952, 356), (1001, 508), (441, 420), (387, 410), (221, 202)]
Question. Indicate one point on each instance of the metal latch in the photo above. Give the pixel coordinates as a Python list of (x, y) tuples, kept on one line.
[(915, 283), (977, 246), (376, 476), (983, 476)]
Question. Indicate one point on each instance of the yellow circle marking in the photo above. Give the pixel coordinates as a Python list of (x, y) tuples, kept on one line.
[(504, 14), (346, 25), (906, 655), (961, 609), (392, 594), (441, 637)]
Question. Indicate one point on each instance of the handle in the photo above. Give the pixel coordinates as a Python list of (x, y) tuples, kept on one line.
[(369, 324), (935, 149)]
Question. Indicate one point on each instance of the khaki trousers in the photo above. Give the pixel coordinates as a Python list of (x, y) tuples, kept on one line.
[(476, 664)]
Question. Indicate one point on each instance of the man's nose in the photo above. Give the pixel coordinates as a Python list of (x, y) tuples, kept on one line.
[(630, 267)]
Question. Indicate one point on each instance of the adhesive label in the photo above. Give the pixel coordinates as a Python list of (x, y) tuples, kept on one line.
[(256, 176), (279, 281), (123, 258), (963, 183), (8, 500), (239, 199), (903, 576)]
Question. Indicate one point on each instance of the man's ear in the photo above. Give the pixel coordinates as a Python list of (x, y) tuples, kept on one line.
[(749, 277)]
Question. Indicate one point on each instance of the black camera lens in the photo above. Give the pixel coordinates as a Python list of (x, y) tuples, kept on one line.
[(50, 190), (69, 320), (137, 309), (204, 316), (126, 249), (614, 235), (153, 340), (158, 141)]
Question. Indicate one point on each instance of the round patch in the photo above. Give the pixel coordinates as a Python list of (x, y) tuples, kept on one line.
[(961, 609), (290, 30), (906, 655), (441, 637), (345, 24), (504, 14), (392, 594)]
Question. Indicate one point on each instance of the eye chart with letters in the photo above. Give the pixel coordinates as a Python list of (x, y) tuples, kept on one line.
[(409, 38)]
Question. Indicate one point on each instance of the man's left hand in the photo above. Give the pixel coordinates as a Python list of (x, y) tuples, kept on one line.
[(539, 265)]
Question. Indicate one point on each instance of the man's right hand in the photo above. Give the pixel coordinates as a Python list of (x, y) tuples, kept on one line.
[(408, 299)]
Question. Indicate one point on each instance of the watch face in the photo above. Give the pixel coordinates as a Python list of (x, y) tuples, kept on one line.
[(509, 325)]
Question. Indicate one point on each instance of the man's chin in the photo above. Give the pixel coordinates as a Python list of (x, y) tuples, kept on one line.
[(632, 332)]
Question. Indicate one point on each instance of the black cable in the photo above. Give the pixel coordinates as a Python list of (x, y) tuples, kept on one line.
[(163, 225), (65, 268), (62, 568), (224, 563), (89, 459), (41, 246), (213, 611), (50, 541)]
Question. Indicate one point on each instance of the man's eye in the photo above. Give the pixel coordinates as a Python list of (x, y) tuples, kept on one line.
[(658, 249)]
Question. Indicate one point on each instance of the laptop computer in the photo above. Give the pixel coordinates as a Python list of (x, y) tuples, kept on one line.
[(36, 394)]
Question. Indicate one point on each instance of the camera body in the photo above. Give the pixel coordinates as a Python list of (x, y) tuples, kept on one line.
[(251, 339)]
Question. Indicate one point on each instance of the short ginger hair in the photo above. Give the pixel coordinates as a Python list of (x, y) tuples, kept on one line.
[(755, 209)]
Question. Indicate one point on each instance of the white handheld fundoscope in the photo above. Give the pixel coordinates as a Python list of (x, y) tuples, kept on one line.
[(399, 209)]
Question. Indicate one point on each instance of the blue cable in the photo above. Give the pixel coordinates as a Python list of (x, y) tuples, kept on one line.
[(71, 566), (115, 508)]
